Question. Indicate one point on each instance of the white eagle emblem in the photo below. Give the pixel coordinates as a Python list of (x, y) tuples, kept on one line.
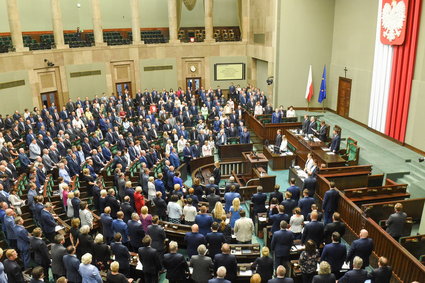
[(393, 17)]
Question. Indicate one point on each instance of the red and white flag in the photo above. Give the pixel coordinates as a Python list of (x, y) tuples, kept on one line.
[(309, 89)]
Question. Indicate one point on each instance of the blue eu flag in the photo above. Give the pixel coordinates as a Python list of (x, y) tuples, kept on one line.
[(322, 93)]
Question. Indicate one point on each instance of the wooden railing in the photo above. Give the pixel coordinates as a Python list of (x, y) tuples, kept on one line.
[(267, 131), (406, 268)]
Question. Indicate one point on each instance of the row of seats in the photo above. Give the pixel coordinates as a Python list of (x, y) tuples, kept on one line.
[(220, 34)]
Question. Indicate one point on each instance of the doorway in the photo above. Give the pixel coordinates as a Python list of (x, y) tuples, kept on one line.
[(344, 94), (48, 98), (194, 84), (122, 88)]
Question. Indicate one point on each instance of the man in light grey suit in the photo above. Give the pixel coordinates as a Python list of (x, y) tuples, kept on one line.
[(47, 161), (35, 150), (202, 265), (121, 186), (396, 222), (58, 251)]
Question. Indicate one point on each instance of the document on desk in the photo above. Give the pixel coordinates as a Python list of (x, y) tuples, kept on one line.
[(289, 153), (345, 266), (235, 252), (326, 149), (297, 248), (330, 153), (58, 228), (245, 272), (139, 265), (316, 140), (262, 219)]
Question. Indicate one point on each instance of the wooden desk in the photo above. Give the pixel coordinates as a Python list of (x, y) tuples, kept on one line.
[(233, 151), (245, 252), (201, 161), (176, 232), (302, 146), (331, 160), (278, 161), (255, 162)]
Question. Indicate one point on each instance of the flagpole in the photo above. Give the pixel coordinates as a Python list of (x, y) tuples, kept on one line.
[(308, 106)]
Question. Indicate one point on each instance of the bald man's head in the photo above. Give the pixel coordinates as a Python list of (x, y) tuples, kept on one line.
[(280, 271), (364, 233), (195, 228), (221, 272)]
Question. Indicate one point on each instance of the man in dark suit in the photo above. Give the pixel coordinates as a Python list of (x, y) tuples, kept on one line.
[(289, 204), (259, 201), (23, 241), (278, 139), (228, 260), (275, 219), (335, 226), (214, 240), (305, 203), (161, 205), (193, 240), (135, 232), (310, 183), (305, 124), (150, 260), (221, 275), (383, 273), (322, 132), (280, 276), (295, 190), (336, 141), (312, 126), (396, 222), (281, 244), (330, 203), (12, 269), (106, 220), (245, 136), (276, 194), (58, 251), (40, 250), (157, 234), (127, 209), (313, 230), (175, 264), (72, 264), (335, 254), (362, 247), (121, 254), (47, 222), (357, 274)]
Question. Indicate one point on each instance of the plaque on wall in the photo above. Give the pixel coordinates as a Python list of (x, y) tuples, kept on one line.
[(229, 71)]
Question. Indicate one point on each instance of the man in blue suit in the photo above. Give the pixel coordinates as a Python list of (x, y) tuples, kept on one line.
[(23, 241), (245, 136), (174, 158), (214, 240), (330, 203), (204, 222), (229, 197), (280, 276), (72, 264), (9, 223), (336, 141), (357, 274), (187, 154), (119, 226), (289, 203), (135, 232), (259, 201), (305, 203), (193, 240), (23, 159), (335, 254), (313, 230), (295, 190), (362, 247), (106, 220), (275, 219), (228, 260), (221, 275), (47, 222), (121, 253), (281, 244), (276, 117)]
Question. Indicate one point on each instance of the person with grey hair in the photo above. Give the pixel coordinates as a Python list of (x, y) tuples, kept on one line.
[(280, 276), (221, 274), (202, 265), (85, 241), (89, 272), (175, 264), (325, 275), (357, 274), (101, 252)]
